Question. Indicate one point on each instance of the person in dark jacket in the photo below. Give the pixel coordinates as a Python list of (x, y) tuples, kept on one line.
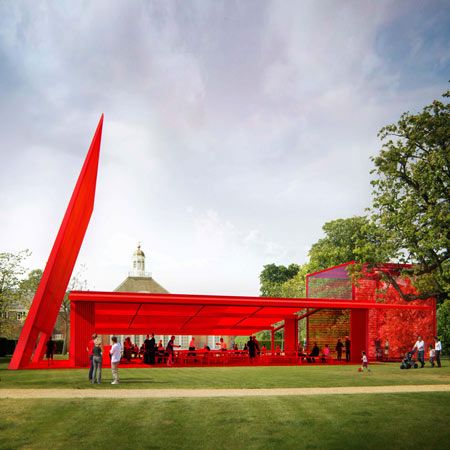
[(152, 350), (147, 350), (314, 353), (50, 349), (339, 347), (251, 345), (347, 349)]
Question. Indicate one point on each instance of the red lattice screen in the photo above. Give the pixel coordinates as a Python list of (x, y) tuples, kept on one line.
[(390, 332), (328, 325)]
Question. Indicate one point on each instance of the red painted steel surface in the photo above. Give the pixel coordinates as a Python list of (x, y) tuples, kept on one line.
[(49, 295), (290, 334), (359, 325), (180, 314), (82, 320)]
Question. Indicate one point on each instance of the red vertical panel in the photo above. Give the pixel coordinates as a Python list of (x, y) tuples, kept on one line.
[(82, 317), (290, 334), (49, 295), (359, 333)]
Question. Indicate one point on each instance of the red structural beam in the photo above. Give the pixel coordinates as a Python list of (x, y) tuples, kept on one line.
[(229, 301)]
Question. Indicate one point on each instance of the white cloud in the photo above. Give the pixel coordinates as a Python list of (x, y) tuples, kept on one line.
[(232, 131)]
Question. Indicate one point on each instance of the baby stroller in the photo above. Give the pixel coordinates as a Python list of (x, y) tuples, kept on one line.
[(409, 361)]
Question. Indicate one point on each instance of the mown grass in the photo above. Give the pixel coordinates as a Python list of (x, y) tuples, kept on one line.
[(374, 421), (227, 377)]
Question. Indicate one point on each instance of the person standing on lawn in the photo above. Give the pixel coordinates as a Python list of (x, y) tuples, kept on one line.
[(97, 360), (116, 353), (420, 346), (432, 355), (90, 350), (437, 350)]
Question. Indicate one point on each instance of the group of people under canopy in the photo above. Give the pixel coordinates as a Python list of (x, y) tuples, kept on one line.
[(324, 355), (158, 353)]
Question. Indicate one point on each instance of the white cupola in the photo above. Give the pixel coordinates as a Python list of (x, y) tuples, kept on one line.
[(138, 263)]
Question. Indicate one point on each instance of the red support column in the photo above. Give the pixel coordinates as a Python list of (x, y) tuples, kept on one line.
[(272, 341), (41, 347), (82, 326), (290, 334), (359, 333)]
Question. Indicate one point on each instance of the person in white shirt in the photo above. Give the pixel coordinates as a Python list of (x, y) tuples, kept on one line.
[(420, 346), (437, 350), (365, 362), (116, 354), (432, 355)]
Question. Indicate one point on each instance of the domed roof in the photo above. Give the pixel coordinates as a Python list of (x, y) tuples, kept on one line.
[(139, 252)]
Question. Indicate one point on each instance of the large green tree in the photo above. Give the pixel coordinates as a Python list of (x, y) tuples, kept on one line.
[(28, 287), (411, 199), (345, 240), (443, 320), (273, 277), (11, 272)]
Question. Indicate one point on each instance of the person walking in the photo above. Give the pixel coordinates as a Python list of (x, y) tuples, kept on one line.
[(364, 363), (437, 350), (97, 360), (420, 346), (116, 353), (169, 349)]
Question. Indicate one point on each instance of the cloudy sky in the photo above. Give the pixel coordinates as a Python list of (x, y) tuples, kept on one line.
[(233, 129)]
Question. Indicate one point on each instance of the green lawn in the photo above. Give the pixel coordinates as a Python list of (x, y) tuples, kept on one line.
[(228, 377), (338, 421), (378, 421)]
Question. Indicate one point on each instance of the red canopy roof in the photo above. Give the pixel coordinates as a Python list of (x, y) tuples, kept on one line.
[(141, 313)]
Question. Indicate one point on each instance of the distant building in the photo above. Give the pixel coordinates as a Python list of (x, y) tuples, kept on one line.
[(139, 280)]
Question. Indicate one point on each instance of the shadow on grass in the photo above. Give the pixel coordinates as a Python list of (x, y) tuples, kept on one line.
[(141, 380)]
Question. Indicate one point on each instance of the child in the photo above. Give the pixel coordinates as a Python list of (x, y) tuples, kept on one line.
[(365, 362), (432, 355)]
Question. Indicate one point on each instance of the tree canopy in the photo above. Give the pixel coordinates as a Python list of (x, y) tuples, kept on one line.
[(272, 278), (345, 240), (411, 199)]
